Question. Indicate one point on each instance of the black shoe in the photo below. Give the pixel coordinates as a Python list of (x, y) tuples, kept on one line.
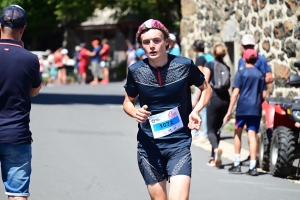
[(235, 169), (252, 172)]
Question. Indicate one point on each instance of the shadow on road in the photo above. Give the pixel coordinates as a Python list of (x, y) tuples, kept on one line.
[(227, 138), (51, 99)]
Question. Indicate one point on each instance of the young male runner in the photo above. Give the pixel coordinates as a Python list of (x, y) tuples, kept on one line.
[(162, 84)]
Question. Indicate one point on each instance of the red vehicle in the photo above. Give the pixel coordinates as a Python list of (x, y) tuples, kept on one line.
[(280, 137)]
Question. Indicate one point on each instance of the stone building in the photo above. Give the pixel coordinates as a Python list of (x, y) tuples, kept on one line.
[(274, 23)]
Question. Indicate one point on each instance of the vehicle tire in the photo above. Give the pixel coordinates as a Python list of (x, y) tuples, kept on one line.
[(282, 152), (264, 148)]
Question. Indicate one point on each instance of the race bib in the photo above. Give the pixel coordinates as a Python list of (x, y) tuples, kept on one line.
[(165, 123)]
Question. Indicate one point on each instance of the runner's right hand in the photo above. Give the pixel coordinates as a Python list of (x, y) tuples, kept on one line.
[(142, 114)]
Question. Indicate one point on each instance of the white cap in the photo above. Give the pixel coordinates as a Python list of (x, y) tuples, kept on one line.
[(64, 51), (248, 39), (48, 51), (77, 48), (172, 37)]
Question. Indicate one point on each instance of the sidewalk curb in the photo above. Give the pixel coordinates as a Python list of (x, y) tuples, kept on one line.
[(228, 149), (228, 153)]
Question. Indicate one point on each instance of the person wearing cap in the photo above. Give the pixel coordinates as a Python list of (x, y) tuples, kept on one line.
[(162, 83), (19, 80), (65, 59), (95, 61), (248, 42), (174, 48), (249, 90)]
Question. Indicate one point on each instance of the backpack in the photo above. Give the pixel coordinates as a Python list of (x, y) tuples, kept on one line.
[(221, 80)]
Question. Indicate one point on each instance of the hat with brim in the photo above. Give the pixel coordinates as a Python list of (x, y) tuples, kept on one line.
[(248, 53), (248, 39), (13, 16)]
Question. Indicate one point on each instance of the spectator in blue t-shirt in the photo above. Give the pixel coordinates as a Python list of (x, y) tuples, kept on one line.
[(248, 42), (95, 61), (249, 85)]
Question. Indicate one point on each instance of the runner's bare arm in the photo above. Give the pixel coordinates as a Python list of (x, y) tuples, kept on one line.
[(196, 98), (206, 92), (35, 91), (141, 114), (206, 72), (194, 119)]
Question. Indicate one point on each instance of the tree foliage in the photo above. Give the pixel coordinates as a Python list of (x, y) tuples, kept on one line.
[(70, 11), (50, 13), (50, 16), (40, 18), (167, 11)]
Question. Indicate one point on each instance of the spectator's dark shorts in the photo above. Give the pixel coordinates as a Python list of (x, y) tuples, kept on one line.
[(252, 122), (157, 165), (16, 168)]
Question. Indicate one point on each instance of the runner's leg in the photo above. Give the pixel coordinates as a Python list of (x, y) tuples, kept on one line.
[(179, 187), (158, 191)]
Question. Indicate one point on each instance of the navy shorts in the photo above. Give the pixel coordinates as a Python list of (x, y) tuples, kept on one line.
[(252, 122), (16, 168), (157, 165)]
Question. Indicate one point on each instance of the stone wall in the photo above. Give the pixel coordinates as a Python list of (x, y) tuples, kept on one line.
[(274, 23)]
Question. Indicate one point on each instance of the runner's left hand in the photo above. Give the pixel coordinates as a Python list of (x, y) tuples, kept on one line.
[(194, 121)]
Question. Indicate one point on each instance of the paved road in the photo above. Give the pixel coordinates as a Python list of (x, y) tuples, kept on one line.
[(85, 148)]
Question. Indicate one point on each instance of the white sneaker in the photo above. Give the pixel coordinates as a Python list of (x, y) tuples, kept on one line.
[(218, 155)]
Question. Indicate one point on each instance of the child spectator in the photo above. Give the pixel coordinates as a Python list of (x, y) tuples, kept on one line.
[(249, 85)]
